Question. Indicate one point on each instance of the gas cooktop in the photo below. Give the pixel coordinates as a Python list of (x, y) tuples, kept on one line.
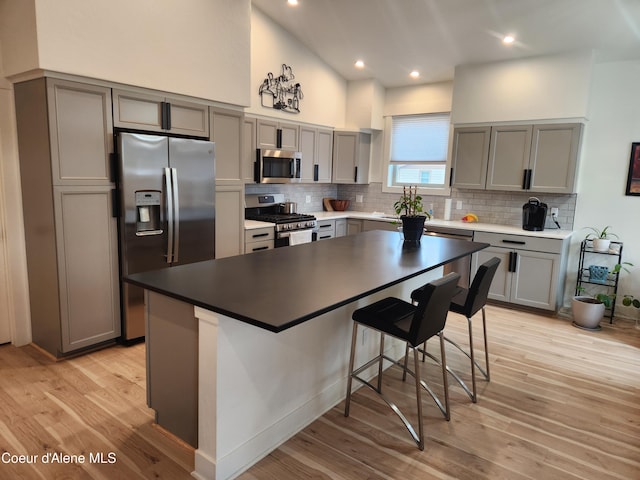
[(279, 217)]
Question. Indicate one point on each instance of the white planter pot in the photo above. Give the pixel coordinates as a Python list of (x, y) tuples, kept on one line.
[(587, 312), (601, 244)]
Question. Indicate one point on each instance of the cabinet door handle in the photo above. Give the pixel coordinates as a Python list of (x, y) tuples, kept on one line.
[(115, 203), (524, 179), (168, 107), (529, 179), (279, 138), (514, 242), (513, 261), (451, 177), (316, 175), (355, 177)]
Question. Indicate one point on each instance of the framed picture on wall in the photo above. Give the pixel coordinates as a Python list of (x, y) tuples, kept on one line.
[(633, 180)]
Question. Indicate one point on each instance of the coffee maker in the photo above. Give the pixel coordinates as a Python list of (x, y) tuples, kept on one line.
[(534, 214)]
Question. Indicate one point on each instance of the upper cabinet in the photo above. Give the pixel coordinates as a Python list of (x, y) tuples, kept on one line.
[(351, 154), (316, 146), (532, 158), (156, 113), (277, 135), (471, 155)]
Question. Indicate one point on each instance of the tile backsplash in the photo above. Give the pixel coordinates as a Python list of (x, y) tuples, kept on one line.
[(504, 208)]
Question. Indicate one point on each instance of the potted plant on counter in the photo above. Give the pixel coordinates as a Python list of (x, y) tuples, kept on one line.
[(601, 238), (409, 207)]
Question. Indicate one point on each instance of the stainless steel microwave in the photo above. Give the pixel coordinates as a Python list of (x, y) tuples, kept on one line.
[(277, 166)]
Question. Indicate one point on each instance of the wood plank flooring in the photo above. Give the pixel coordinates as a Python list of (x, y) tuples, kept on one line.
[(562, 403)]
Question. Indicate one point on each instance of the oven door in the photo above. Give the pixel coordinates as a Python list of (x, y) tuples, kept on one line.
[(278, 166), (295, 237)]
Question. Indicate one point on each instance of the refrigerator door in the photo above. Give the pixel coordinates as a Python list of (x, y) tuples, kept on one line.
[(193, 167), (143, 159)]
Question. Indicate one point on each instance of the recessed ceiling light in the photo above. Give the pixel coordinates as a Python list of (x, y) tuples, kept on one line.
[(293, 3), (414, 74), (508, 39), (359, 64)]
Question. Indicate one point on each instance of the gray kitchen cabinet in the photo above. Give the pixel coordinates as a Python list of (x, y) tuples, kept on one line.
[(341, 227), (227, 132), (87, 253), (554, 157), (509, 153), (249, 147), (470, 157), (531, 271), (257, 239), (157, 113), (316, 146), (351, 157), (326, 229), (528, 157), (65, 138), (354, 226), (272, 134)]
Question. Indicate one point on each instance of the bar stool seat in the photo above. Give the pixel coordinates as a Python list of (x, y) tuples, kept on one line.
[(413, 324), (468, 302)]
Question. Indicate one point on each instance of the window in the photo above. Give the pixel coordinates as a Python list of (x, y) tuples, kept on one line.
[(418, 150)]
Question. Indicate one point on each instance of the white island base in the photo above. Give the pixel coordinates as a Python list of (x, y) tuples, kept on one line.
[(256, 388)]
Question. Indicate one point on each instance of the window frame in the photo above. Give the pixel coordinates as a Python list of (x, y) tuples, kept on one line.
[(387, 181)]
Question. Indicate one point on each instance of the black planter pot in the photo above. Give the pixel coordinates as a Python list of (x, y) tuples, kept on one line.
[(412, 228)]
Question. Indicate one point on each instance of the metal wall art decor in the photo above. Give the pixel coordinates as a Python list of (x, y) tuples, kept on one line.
[(633, 180), (281, 92)]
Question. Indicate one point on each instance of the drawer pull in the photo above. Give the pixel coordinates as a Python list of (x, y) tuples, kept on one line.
[(257, 235), (514, 242), (325, 226), (326, 236), (259, 248)]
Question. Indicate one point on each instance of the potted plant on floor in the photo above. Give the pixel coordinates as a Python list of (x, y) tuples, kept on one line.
[(631, 301), (589, 310), (409, 207), (601, 238)]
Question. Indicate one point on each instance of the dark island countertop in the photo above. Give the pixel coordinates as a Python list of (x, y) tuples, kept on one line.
[(277, 289)]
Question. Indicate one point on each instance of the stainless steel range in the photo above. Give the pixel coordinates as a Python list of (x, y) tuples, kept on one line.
[(290, 228)]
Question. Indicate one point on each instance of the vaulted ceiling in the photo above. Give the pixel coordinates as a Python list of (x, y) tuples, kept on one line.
[(394, 37)]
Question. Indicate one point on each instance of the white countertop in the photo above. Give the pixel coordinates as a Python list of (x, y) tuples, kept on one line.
[(475, 226)]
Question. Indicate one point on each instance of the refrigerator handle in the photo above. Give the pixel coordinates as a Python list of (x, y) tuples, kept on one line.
[(169, 196), (176, 215)]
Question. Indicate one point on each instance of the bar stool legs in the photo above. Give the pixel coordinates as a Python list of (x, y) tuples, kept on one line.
[(416, 373)]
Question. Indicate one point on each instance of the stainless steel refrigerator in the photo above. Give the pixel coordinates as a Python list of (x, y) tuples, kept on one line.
[(167, 217)]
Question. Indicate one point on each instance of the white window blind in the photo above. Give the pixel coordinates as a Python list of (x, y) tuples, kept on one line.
[(420, 138)]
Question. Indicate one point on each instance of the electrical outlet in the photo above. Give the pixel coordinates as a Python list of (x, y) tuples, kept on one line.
[(554, 211), (459, 205), (308, 199), (359, 199)]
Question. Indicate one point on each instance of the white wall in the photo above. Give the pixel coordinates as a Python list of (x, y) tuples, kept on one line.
[(324, 91), (14, 299), (431, 98), (198, 48), (614, 123), (536, 88)]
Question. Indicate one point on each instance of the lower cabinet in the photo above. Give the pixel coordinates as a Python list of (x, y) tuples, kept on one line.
[(354, 226), (326, 229), (258, 239), (531, 270), (341, 227), (87, 254)]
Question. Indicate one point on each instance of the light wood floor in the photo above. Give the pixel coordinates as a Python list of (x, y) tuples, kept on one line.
[(562, 403)]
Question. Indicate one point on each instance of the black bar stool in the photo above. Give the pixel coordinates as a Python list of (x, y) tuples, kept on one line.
[(413, 324), (468, 302)]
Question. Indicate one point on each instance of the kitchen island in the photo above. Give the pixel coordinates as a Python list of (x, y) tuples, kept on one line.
[(255, 347)]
